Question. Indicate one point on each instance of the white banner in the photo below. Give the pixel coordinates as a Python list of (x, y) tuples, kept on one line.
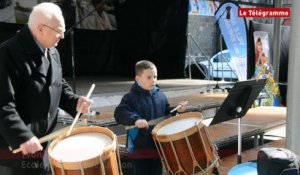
[(262, 51)]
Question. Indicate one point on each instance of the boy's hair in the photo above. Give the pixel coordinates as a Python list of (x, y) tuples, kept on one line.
[(143, 65)]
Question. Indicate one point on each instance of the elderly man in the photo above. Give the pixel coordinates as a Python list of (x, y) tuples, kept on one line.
[(32, 89)]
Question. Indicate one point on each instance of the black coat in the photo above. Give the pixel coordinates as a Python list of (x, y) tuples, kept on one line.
[(28, 103)]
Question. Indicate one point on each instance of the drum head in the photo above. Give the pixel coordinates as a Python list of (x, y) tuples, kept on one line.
[(177, 125), (86, 146), (80, 147)]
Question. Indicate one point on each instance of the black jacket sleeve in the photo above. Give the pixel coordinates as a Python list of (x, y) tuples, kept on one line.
[(125, 113), (12, 127), (68, 101)]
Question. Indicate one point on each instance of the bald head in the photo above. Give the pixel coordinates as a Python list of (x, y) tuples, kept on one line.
[(47, 24)]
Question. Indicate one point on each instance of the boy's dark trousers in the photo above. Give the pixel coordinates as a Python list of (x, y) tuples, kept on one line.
[(147, 167)]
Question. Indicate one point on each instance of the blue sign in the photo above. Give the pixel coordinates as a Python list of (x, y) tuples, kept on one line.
[(234, 31)]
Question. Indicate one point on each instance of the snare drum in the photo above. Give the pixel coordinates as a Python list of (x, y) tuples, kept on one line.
[(184, 145), (87, 151)]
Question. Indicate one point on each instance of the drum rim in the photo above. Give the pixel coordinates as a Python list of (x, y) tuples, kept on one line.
[(181, 134), (91, 162)]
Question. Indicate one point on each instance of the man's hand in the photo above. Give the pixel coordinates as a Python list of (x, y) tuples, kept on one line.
[(141, 123), (31, 146), (86, 104)]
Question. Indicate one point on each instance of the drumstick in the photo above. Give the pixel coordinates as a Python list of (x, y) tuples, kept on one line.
[(179, 106), (80, 109), (51, 136)]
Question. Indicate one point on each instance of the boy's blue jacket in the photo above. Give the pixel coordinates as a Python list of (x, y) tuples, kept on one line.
[(141, 104)]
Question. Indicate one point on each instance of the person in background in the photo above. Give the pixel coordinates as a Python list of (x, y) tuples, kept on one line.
[(260, 56), (144, 102), (31, 91)]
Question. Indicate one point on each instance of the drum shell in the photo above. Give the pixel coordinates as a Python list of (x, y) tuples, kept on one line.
[(203, 152), (91, 166)]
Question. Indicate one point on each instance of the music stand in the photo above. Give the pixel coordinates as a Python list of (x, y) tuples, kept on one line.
[(237, 103)]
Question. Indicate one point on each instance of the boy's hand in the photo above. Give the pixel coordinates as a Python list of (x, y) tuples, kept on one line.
[(141, 123), (182, 106)]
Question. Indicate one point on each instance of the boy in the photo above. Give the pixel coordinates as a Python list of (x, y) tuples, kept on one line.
[(144, 102)]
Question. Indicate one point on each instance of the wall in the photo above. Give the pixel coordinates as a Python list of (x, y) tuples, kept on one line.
[(203, 31)]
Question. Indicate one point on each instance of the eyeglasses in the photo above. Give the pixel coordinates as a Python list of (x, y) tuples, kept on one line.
[(58, 32)]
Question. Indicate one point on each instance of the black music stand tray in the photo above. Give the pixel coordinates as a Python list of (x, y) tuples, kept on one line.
[(237, 103)]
